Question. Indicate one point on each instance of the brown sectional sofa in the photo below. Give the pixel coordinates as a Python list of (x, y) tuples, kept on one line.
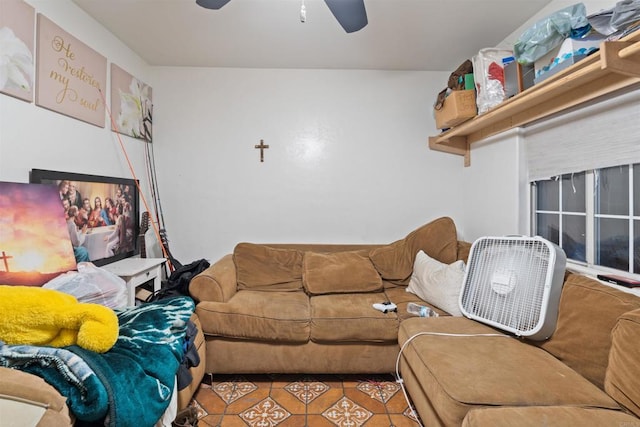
[(305, 308), (296, 308), (585, 374)]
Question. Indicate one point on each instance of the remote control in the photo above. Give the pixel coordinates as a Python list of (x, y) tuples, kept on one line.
[(619, 280), (385, 307)]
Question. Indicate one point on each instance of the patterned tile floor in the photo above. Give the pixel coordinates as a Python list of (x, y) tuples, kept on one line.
[(302, 400)]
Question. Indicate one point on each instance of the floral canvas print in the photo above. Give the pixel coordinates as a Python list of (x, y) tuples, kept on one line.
[(34, 240), (131, 105), (17, 21), (70, 76)]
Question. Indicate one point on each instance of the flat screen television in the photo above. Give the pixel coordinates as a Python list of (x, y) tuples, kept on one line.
[(105, 210)]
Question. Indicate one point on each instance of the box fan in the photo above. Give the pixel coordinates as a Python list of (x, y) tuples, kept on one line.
[(514, 284)]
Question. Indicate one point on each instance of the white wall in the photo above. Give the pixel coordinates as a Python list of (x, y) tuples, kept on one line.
[(495, 195), (348, 160), (33, 137)]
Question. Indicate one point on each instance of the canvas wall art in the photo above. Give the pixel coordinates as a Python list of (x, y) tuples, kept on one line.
[(17, 22), (34, 239), (131, 105), (70, 76)]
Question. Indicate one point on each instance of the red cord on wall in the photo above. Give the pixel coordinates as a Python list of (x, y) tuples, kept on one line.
[(154, 224)]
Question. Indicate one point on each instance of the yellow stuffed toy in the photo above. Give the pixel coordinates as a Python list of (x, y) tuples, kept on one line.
[(37, 316)]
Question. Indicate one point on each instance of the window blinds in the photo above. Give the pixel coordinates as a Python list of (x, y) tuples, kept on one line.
[(599, 135)]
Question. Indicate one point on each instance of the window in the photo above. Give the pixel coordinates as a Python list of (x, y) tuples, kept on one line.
[(560, 214), (594, 216)]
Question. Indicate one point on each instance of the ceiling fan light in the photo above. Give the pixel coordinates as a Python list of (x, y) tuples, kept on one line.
[(212, 4), (303, 12), (351, 14)]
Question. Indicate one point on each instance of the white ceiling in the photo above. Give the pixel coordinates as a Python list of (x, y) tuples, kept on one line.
[(432, 35)]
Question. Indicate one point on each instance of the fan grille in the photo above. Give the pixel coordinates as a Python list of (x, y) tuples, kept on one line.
[(508, 282)]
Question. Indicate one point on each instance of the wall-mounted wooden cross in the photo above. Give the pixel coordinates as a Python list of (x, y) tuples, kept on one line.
[(262, 147)]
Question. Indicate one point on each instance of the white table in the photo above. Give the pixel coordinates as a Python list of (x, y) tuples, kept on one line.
[(136, 272)]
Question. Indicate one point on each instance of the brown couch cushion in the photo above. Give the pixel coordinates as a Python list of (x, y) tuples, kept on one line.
[(588, 312), (622, 380), (283, 316), (260, 267), (462, 373), (537, 416), (340, 272), (351, 317), (438, 239)]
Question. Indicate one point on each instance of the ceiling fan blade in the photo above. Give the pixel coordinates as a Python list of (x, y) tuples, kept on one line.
[(212, 4), (351, 14)]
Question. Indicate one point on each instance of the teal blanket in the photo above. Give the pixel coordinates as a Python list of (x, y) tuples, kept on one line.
[(135, 379)]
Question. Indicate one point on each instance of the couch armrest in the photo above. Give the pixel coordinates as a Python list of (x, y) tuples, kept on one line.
[(216, 283), (19, 390)]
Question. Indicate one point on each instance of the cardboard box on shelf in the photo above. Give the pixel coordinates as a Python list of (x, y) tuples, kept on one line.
[(571, 50), (458, 107)]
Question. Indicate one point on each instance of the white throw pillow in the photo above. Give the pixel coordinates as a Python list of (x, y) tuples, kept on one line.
[(437, 283)]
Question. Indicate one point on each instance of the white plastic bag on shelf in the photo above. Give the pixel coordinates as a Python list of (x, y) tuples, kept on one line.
[(93, 285), (488, 73), (623, 17), (550, 32)]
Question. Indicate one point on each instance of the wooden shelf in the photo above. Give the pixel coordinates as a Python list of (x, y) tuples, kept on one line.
[(614, 67)]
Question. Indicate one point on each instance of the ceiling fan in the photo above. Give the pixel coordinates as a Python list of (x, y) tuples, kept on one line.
[(351, 14)]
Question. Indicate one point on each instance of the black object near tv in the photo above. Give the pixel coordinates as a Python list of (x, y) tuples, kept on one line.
[(105, 210)]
